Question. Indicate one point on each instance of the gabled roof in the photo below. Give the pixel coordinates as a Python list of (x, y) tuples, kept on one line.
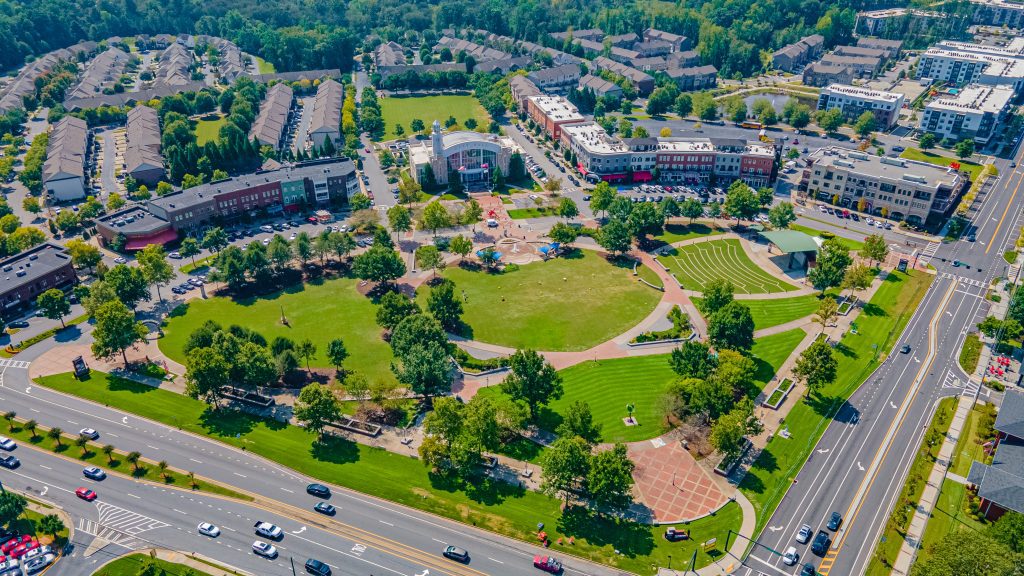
[(1010, 419), (65, 151), (327, 108), (142, 132), (1002, 482), (273, 117)]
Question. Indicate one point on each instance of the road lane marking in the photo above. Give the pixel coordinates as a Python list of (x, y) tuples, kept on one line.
[(493, 560), (1003, 217)]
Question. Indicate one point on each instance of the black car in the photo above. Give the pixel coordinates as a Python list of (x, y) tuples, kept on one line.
[(19, 324), (821, 543), (835, 521), (318, 490), (808, 570), (586, 198), (10, 462), (456, 553), (6, 535), (905, 349), (314, 566), (325, 508)]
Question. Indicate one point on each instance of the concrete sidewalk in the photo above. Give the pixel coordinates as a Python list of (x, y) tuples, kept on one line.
[(730, 560), (912, 541)]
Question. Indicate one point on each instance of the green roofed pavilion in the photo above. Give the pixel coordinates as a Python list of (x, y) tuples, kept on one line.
[(802, 249)]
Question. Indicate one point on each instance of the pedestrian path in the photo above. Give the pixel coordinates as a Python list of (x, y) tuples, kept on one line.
[(119, 526), (912, 540), (963, 280), (10, 363)]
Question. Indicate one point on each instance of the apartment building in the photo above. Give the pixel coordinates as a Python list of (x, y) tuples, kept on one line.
[(597, 153), (675, 41), (960, 68), (975, 112), (32, 272), (142, 158), (643, 82), (325, 118), (557, 79), (275, 111), (999, 13), (890, 187), (890, 48), (65, 176), (854, 101), (818, 74), (601, 87), (799, 53), (862, 66), (695, 78), (552, 113), (522, 88)]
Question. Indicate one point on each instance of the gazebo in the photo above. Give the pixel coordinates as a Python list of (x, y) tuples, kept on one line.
[(802, 249)]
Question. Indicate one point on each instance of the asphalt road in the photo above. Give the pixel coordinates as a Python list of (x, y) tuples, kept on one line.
[(859, 465), (386, 528)]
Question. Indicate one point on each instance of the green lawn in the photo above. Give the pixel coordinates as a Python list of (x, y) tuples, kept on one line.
[(950, 514), (933, 158), (264, 66), (609, 385), (649, 275), (849, 243), (208, 130), (898, 521), (698, 264), (970, 353), (678, 232), (536, 212), (572, 302), (319, 310), (772, 312), (496, 506), (881, 322), (972, 437), (397, 110), (131, 564)]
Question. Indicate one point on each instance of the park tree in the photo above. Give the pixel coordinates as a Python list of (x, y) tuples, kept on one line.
[(450, 447), (669, 208), (435, 217), (816, 366), (215, 239), (865, 124), (472, 212), (858, 277), (967, 553), (964, 148), (732, 327), (717, 293), (643, 220), (460, 245), (620, 208), (601, 197), (875, 249), (255, 366), (532, 379), (728, 431), (564, 466), (207, 371), (563, 233), (425, 369), (303, 247), (927, 141), (683, 105), (610, 479), (567, 208), (31, 205), (828, 310), (445, 306), (833, 260), (781, 215), (614, 237), (54, 305), (12, 506), (692, 209), (83, 254), (578, 420), (337, 353), (279, 252), (306, 350), (116, 331), (416, 329), (129, 284), (429, 257), (189, 249), (741, 202), (359, 201), (693, 359), (51, 524), (830, 120), (800, 117), (488, 257), (379, 264), (155, 268), (400, 219), (316, 408), (736, 110)]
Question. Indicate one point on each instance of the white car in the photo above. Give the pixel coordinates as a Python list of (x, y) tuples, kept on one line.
[(263, 549), (790, 557), (120, 260), (37, 564), (268, 530), (41, 551), (175, 255), (89, 433), (7, 444), (207, 529), (804, 534)]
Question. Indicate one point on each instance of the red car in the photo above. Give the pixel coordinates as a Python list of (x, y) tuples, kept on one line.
[(12, 544), (547, 564), (85, 494), (24, 549)]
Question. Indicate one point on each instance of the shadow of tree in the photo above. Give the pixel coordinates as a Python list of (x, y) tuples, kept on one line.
[(478, 488), (116, 384), (629, 538), (335, 450)]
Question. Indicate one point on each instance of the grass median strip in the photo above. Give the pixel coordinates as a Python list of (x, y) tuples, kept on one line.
[(503, 508), (879, 324), (94, 454), (134, 564)]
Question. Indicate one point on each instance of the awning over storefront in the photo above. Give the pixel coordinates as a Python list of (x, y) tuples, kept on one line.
[(581, 168), (642, 176), (160, 238), (613, 177)]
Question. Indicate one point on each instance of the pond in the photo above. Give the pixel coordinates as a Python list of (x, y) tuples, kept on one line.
[(778, 100)]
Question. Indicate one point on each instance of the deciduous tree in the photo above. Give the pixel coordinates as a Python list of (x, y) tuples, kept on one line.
[(316, 408), (532, 379), (816, 366)]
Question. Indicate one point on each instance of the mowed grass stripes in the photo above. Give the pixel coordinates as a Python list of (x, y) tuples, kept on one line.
[(768, 313), (696, 265)]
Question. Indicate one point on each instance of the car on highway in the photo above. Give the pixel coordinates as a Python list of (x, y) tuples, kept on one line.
[(790, 557), (268, 530), (318, 490), (94, 473), (7, 444), (325, 508), (264, 549), (804, 533), (14, 543), (207, 529), (834, 521), (1013, 163), (547, 564), (85, 494), (808, 570), (89, 433), (37, 564), (314, 566), (971, 237), (821, 543), (456, 553), (905, 349)]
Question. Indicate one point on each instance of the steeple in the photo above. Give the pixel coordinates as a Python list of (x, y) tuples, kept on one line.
[(435, 137)]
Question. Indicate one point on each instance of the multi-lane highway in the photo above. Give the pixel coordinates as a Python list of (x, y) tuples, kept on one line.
[(401, 540), (860, 463)]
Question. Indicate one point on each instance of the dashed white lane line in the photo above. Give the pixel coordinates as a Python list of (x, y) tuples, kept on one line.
[(493, 560)]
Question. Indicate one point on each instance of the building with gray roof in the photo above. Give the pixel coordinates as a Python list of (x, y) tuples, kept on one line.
[(24, 276), (100, 74), (601, 87), (556, 79), (643, 82), (325, 119), (1000, 485), (270, 124), (64, 173), (142, 158), (174, 66)]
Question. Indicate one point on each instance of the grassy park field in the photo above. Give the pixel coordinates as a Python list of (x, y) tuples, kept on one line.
[(569, 303), (697, 264), (320, 310), (399, 110), (208, 130), (775, 311), (132, 564)]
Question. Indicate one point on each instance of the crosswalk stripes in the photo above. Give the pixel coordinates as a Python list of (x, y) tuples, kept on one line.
[(967, 387), (927, 253), (119, 526), (10, 363), (964, 280)]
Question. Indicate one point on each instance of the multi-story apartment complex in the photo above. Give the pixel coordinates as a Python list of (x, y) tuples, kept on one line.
[(270, 124), (601, 87), (522, 88), (797, 54), (890, 187), (967, 63), (597, 152), (695, 78), (893, 20), (999, 13), (556, 79), (819, 74), (553, 112), (854, 101), (65, 175), (975, 112), (644, 83)]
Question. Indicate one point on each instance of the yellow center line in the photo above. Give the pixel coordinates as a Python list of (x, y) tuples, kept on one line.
[(1005, 211)]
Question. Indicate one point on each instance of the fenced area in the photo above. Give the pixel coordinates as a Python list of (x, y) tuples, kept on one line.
[(696, 265)]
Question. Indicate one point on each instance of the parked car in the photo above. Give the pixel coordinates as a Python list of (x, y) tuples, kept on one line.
[(175, 255), (314, 566), (14, 543), (790, 557), (808, 570), (94, 473), (85, 494), (19, 324), (456, 553), (37, 564), (25, 548)]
